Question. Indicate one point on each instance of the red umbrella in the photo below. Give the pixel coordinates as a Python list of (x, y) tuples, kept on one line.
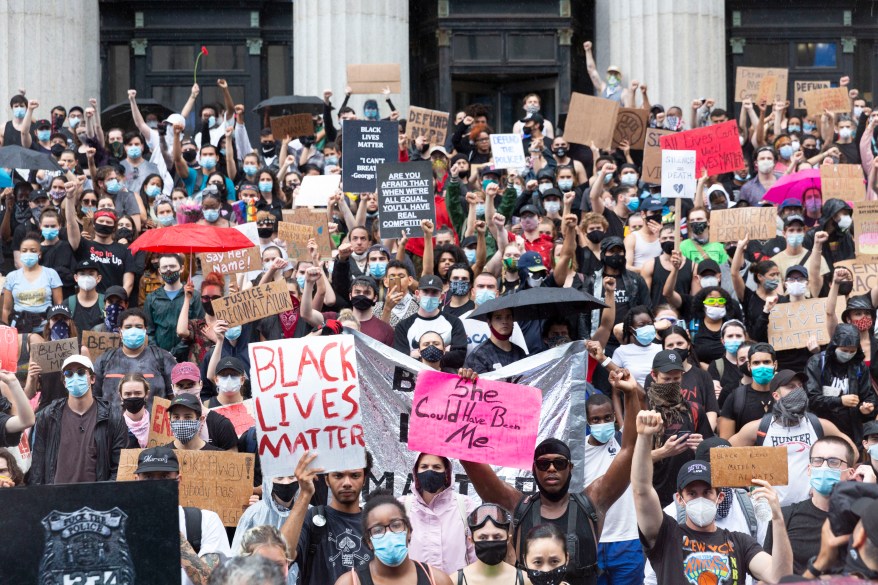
[(793, 186), (190, 238)]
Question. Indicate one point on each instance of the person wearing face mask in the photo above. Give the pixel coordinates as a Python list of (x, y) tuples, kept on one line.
[(534, 241), (12, 129), (859, 312), (429, 318), (593, 229), (867, 470), (753, 190), (460, 282), (485, 289), (698, 246), (187, 418), (749, 402), (550, 200), (839, 385), (59, 325), (228, 375), (676, 551), (438, 516), (620, 555), (638, 342), (836, 220), (489, 527), (217, 429), (133, 390), (496, 351), (547, 560), (642, 246), (30, 290), (43, 132), (79, 438), (56, 252), (163, 306), (725, 370), (612, 89), (561, 150), (363, 295), (37, 202), (137, 168), (624, 197), (87, 305), (531, 105), (795, 252)]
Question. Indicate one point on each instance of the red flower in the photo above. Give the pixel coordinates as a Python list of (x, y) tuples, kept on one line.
[(203, 50)]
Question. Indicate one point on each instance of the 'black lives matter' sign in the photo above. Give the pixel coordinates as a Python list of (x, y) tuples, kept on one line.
[(365, 146), (405, 197)]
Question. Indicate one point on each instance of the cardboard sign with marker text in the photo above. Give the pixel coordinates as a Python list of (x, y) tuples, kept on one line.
[(232, 262), (49, 355), (296, 236), (731, 225), (293, 126), (739, 466), (801, 87), (159, 423), (678, 174), (717, 147), (790, 325), (749, 82), (845, 182), (431, 124), (631, 126), (865, 274), (652, 154), (9, 348), (834, 99), (866, 229), (374, 77), (591, 119), (316, 219), (254, 303), (99, 342)]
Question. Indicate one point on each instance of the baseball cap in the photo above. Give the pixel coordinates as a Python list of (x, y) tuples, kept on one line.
[(185, 371), (468, 241), (870, 428), (792, 219), (86, 265), (79, 360), (42, 124), (231, 363), (116, 291), (784, 377), (37, 194), (528, 209), (157, 459), (791, 202), (613, 69), (436, 148), (612, 242), (430, 282), (487, 170), (248, 186), (190, 401), (551, 193), (533, 117), (708, 265), (652, 204), (695, 470), (667, 360), (867, 510), (797, 268), (58, 310), (531, 261), (703, 450)]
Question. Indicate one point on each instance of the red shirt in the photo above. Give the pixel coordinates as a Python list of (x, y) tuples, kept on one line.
[(416, 245), (543, 245)]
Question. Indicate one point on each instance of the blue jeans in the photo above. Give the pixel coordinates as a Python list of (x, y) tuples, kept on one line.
[(621, 562)]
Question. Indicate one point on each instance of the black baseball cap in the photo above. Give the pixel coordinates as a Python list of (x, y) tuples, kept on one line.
[(611, 242), (703, 450), (531, 261), (190, 401), (708, 265), (528, 209), (488, 170), (42, 124), (157, 459), (231, 363), (553, 192), (667, 360), (797, 268), (695, 470), (116, 291), (38, 194), (784, 377), (468, 241), (430, 282), (870, 428), (86, 265), (652, 204), (58, 310)]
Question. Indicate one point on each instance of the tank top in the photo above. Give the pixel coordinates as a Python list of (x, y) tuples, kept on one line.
[(363, 576), (798, 441), (645, 251), (660, 276)]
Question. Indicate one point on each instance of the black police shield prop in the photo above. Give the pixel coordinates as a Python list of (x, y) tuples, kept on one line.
[(91, 534)]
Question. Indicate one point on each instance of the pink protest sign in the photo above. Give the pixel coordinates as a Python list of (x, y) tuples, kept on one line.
[(482, 421), (716, 147), (239, 414), (9, 347)]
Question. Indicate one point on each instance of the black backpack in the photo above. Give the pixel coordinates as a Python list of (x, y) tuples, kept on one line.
[(192, 516)]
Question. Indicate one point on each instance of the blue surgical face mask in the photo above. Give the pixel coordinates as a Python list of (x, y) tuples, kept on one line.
[(250, 170), (77, 385), (113, 186), (332, 160), (134, 337), (470, 255), (233, 333), (795, 240), (429, 304), (762, 374), (645, 335), (484, 295), (207, 162), (300, 280), (603, 432), (786, 151), (565, 184), (44, 135), (210, 215), (166, 220), (30, 259), (733, 345), (134, 152), (518, 189), (73, 121), (809, 127), (391, 548), (50, 233), (378, 269), (793, 128), (823, 479), (370, 114), (87, 210), (152, 191), (873, 452), (480, 210), (633, 204), (265, 186), (19, 112), (543, 187), (629, 179), (211, 121)]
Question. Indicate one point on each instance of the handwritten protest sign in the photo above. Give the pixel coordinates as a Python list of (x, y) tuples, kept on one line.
[(731, 225), (507, 151), (316, 219), (240, 414), (482, 421), (98, 342), (749, 81), (591, 119), (405, 198), (9, 348), (652, 154), (307, 397), (254, 303), (866, 229), (374, 77), (834, 99), (678, 174), (865, 273), (296, 236), (211, 480), (716, 147), (49, 355), (293, 126), (431, 124), (767, 89), (316, 189), (231, 262), (365, 146), (631, 126), (801, 87), (159, 423), (842, 182), (738, 466), (790, 325)]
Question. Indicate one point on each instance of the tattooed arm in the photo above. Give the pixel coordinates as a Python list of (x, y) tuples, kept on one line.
[(198, 569)]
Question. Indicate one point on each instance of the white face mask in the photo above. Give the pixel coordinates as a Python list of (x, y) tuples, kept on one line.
[(765, 166), (87, 282), (797, 289), (715, 313), (228, 384), (701, 511), (845, 222), (709, 281), (535, 282)]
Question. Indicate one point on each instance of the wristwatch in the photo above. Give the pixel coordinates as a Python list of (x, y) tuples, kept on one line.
[(815, 572)]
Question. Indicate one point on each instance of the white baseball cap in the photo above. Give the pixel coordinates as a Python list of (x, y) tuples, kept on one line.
[(78, 359)]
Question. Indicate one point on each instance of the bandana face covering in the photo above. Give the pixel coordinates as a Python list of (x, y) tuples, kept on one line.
[(791, 408), (668, 400)]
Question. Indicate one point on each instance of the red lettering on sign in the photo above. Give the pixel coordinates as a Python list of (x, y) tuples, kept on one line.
[(346, 396), (265, 443), (346, 366), (327, 403), (267, 382), (308, 359), (261, 418), (326, 375)]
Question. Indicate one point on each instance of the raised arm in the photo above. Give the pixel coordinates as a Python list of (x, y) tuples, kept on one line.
[(568, 250), (179, 164), (646, 500), (24, 417), (72, 194), (138, 117), (670, 289), (608, 315), (26, 139), (292, 526), (481, 248), (832, 301), (314, 318), (228, 102), (427, 226), (815, 279), (96, 120), (597, 190), (190, 103), (231, 149), (737, 264), (592, 68)]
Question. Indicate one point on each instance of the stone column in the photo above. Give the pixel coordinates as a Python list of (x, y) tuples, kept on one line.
[(328, 36), (676, 47), (50, 48)]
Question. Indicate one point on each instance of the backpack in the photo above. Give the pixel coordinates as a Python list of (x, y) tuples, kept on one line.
[(71, 304), (315, 535), (192, 516), (744, 500), (765, 422)]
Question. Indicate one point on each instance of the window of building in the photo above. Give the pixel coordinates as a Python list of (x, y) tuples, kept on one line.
[(479, 47), (119, 80), (817, 55), (535, 47), (182, 57)]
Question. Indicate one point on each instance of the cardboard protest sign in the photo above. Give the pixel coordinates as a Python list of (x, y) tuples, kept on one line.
[(731, 225), (49, 355), (431, 124), (366, 145), (834, 99), (307, 397), (801, 87), (591, 119), (231, 262), (91, 533), (317, 220), (316, 189), (678, 174), (296, 236), (98, 342), (159, 423), (405, 198), (507, 151), (652, 154), (865, 274), (293, 126), (374, 77), (218, 481), (791, 324), (716, 147), (9, 348), (842, 182), (866, 229), (631, 126), (254, 303), (482, 421), (240, 413), (739, 466), (749, 81)]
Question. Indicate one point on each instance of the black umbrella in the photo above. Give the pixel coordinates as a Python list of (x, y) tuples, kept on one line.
[(540, 303), (284, 105), (119, 115), (16, 157)]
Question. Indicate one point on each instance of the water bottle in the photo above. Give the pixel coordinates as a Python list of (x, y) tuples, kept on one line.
[(762, 509)]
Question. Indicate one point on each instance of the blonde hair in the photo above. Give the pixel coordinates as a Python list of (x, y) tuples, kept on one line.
[(347, 318), (264, 535)]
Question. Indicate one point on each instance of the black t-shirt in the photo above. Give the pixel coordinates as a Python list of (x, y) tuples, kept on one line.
[(617, 227), (729, 380), (681, 555), (458, 311), (87, 318), (697, 387), (707, 344), (803, 521), (487, 356), (112, 261), (220, 431), (756, 405), (340, 546)]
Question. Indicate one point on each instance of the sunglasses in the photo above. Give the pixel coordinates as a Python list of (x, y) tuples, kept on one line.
[(545, 464), (209, 299), (79, 372), (714, 302)]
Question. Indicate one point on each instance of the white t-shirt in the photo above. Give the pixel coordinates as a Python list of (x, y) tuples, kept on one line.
[(636, 359), (798, 441), (213, 538), (478, 331), (617, 525)]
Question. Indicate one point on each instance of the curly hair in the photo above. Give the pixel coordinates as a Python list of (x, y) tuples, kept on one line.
[(733, 309), (15, 472), (628, 322)]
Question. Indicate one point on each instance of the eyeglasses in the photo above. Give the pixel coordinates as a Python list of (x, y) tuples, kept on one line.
[(396, 526), (833, 462), (89, 201), (714, 302), (544, 464), (496, 514), (79, 372), (265, 223)]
